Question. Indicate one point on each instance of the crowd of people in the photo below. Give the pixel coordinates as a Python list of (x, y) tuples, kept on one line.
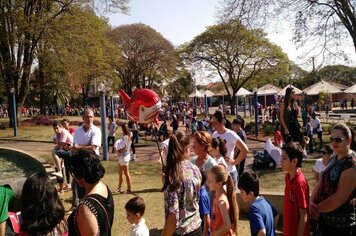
[(200, 189)]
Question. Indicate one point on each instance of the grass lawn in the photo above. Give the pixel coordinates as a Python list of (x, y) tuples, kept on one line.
[(33, 132), (273, 180), (146, 182)]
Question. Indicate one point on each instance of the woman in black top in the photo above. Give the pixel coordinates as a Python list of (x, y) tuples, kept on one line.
[(95, 213), (289, 117)]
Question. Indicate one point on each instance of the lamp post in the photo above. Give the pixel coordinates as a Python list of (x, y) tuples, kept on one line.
[(101, 89), (14, 116), (256, 111)]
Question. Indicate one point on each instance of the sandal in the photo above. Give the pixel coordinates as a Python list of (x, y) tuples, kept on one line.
[(129, 192), (119, 191)]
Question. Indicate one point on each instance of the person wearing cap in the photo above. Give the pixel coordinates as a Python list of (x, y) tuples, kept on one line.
[(237, 127)]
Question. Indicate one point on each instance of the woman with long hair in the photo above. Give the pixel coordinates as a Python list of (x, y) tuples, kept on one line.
[(225, 210), (289, 113), (330, 202), (42, 211), (202, 144), (181, 188), (95, 212), (122, 147)]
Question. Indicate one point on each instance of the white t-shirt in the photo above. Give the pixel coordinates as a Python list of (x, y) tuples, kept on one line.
[(316, 122), (91, 137), (140, 229), (231, 138), (221, 161), (65, 137), (319, 166)]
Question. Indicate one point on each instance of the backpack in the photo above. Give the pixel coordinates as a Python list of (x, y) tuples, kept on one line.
[(262, 160)]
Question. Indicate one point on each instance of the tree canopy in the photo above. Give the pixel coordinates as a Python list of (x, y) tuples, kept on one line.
[(325, 22), (145, 56), (235, 54)]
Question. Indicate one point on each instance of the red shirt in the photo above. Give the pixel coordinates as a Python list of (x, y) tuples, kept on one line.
[(296, 195), (71, 130)]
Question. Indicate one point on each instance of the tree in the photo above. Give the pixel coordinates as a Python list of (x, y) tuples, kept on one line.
[(23, 24), (235, 54), (181, 87), (145, 56), (322, 21), (77, 46)]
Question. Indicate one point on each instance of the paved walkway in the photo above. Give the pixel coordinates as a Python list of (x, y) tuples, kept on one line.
[(144, 153)]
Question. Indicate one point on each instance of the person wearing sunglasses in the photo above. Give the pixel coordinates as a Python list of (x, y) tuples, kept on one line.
[(321, 163), (330, 202)]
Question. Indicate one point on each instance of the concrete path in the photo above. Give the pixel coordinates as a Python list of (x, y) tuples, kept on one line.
[(143, 153)]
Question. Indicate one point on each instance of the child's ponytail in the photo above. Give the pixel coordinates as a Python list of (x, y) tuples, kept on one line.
[(234, 209)]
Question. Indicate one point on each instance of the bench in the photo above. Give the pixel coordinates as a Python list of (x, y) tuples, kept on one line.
[(335, 117), (352, 119)]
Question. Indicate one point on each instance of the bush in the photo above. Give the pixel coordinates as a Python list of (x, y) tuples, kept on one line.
[(250, 127), (330, 127), (268, 128), (351, 125)]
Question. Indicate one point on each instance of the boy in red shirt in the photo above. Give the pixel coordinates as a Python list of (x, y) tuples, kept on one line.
[(296, 193)]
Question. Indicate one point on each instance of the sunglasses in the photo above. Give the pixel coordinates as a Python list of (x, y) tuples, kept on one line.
[(337, 139)]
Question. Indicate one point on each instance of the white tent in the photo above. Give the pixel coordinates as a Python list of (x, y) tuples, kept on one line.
[(196, 93), (207, 93), (337, 85), (223, 92), (296, 90), (322, 86), (243, 92), (352, 89), (268, 89)]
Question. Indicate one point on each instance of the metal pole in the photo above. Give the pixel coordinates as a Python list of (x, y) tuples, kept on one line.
[(14, 116), (237, 106), (256, 113), (245, 106), (112, 107), (206, 105), (103, 126)]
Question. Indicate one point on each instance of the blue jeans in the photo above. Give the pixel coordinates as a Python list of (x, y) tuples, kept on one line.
[(234, 178), (65, 155)]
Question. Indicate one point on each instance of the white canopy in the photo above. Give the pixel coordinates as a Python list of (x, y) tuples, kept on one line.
[(243, 92), (352, 89), (321, 86), (196, 93), (223, 92), (283, 91), (207, 93), (337, 85), (268, 89)]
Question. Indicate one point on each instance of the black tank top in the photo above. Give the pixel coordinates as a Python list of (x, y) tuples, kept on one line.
[(104, 218)]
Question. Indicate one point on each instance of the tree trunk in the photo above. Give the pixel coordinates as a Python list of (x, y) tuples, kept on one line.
[(232, 104)]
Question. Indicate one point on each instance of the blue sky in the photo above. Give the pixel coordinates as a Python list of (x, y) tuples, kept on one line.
[(180, 21)]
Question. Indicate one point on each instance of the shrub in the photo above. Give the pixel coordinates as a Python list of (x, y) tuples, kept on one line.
[(268, 128), (250, 127), (330, 127)]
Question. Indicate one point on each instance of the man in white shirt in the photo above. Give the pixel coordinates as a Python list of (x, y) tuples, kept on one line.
[(232, 141), (86, 137), (318, 130)]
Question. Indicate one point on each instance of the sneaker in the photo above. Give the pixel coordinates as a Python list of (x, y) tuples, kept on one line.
[(57, 174)]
